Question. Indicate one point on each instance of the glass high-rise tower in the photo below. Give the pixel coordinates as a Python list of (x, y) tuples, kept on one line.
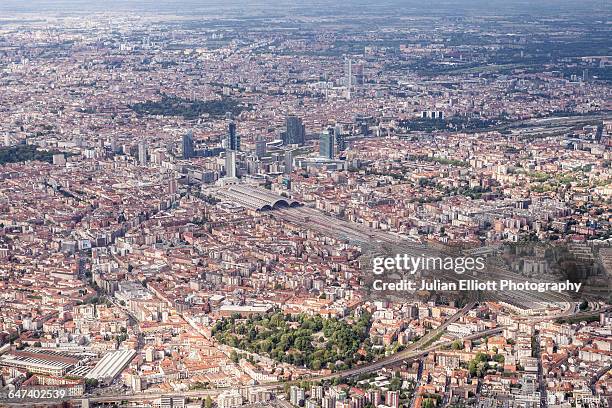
[(326, 144), (188, 151), (233, 138), (296, 131)]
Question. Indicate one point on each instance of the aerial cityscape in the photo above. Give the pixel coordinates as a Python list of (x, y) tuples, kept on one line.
[(394, 204)]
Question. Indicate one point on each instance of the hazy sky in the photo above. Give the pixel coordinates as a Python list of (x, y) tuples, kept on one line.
[(597, 7)]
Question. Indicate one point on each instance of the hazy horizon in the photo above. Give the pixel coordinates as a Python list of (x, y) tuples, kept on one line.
[(351, 6)]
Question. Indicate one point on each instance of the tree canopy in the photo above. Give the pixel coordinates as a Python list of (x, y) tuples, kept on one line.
[(308, 341)]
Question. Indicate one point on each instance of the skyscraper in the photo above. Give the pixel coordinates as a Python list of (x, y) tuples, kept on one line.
[(188, 145), (296, 131), (349, 79), (172, 187), (357, 71), (260, 148), (142, 153), (230, 163), (326, 144), (233, 139), (288, 161), (340, 141)]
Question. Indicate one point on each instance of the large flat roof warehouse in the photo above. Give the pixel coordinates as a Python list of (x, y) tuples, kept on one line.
[(111, 365), (41, 363)]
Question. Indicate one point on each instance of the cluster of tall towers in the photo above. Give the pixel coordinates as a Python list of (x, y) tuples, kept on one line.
[(331, 141)]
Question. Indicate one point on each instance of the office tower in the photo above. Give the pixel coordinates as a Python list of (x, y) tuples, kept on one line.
[(326, 144), (142, 153), (340, 141), (358, 74), (288, 161), (233, 139), (296, 131), (113, 145), (585, 75), (230, 163), (7, 140), (172, 187), (260, 148), (252, 166), (188, 145), (157, 157), (349, 79)]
